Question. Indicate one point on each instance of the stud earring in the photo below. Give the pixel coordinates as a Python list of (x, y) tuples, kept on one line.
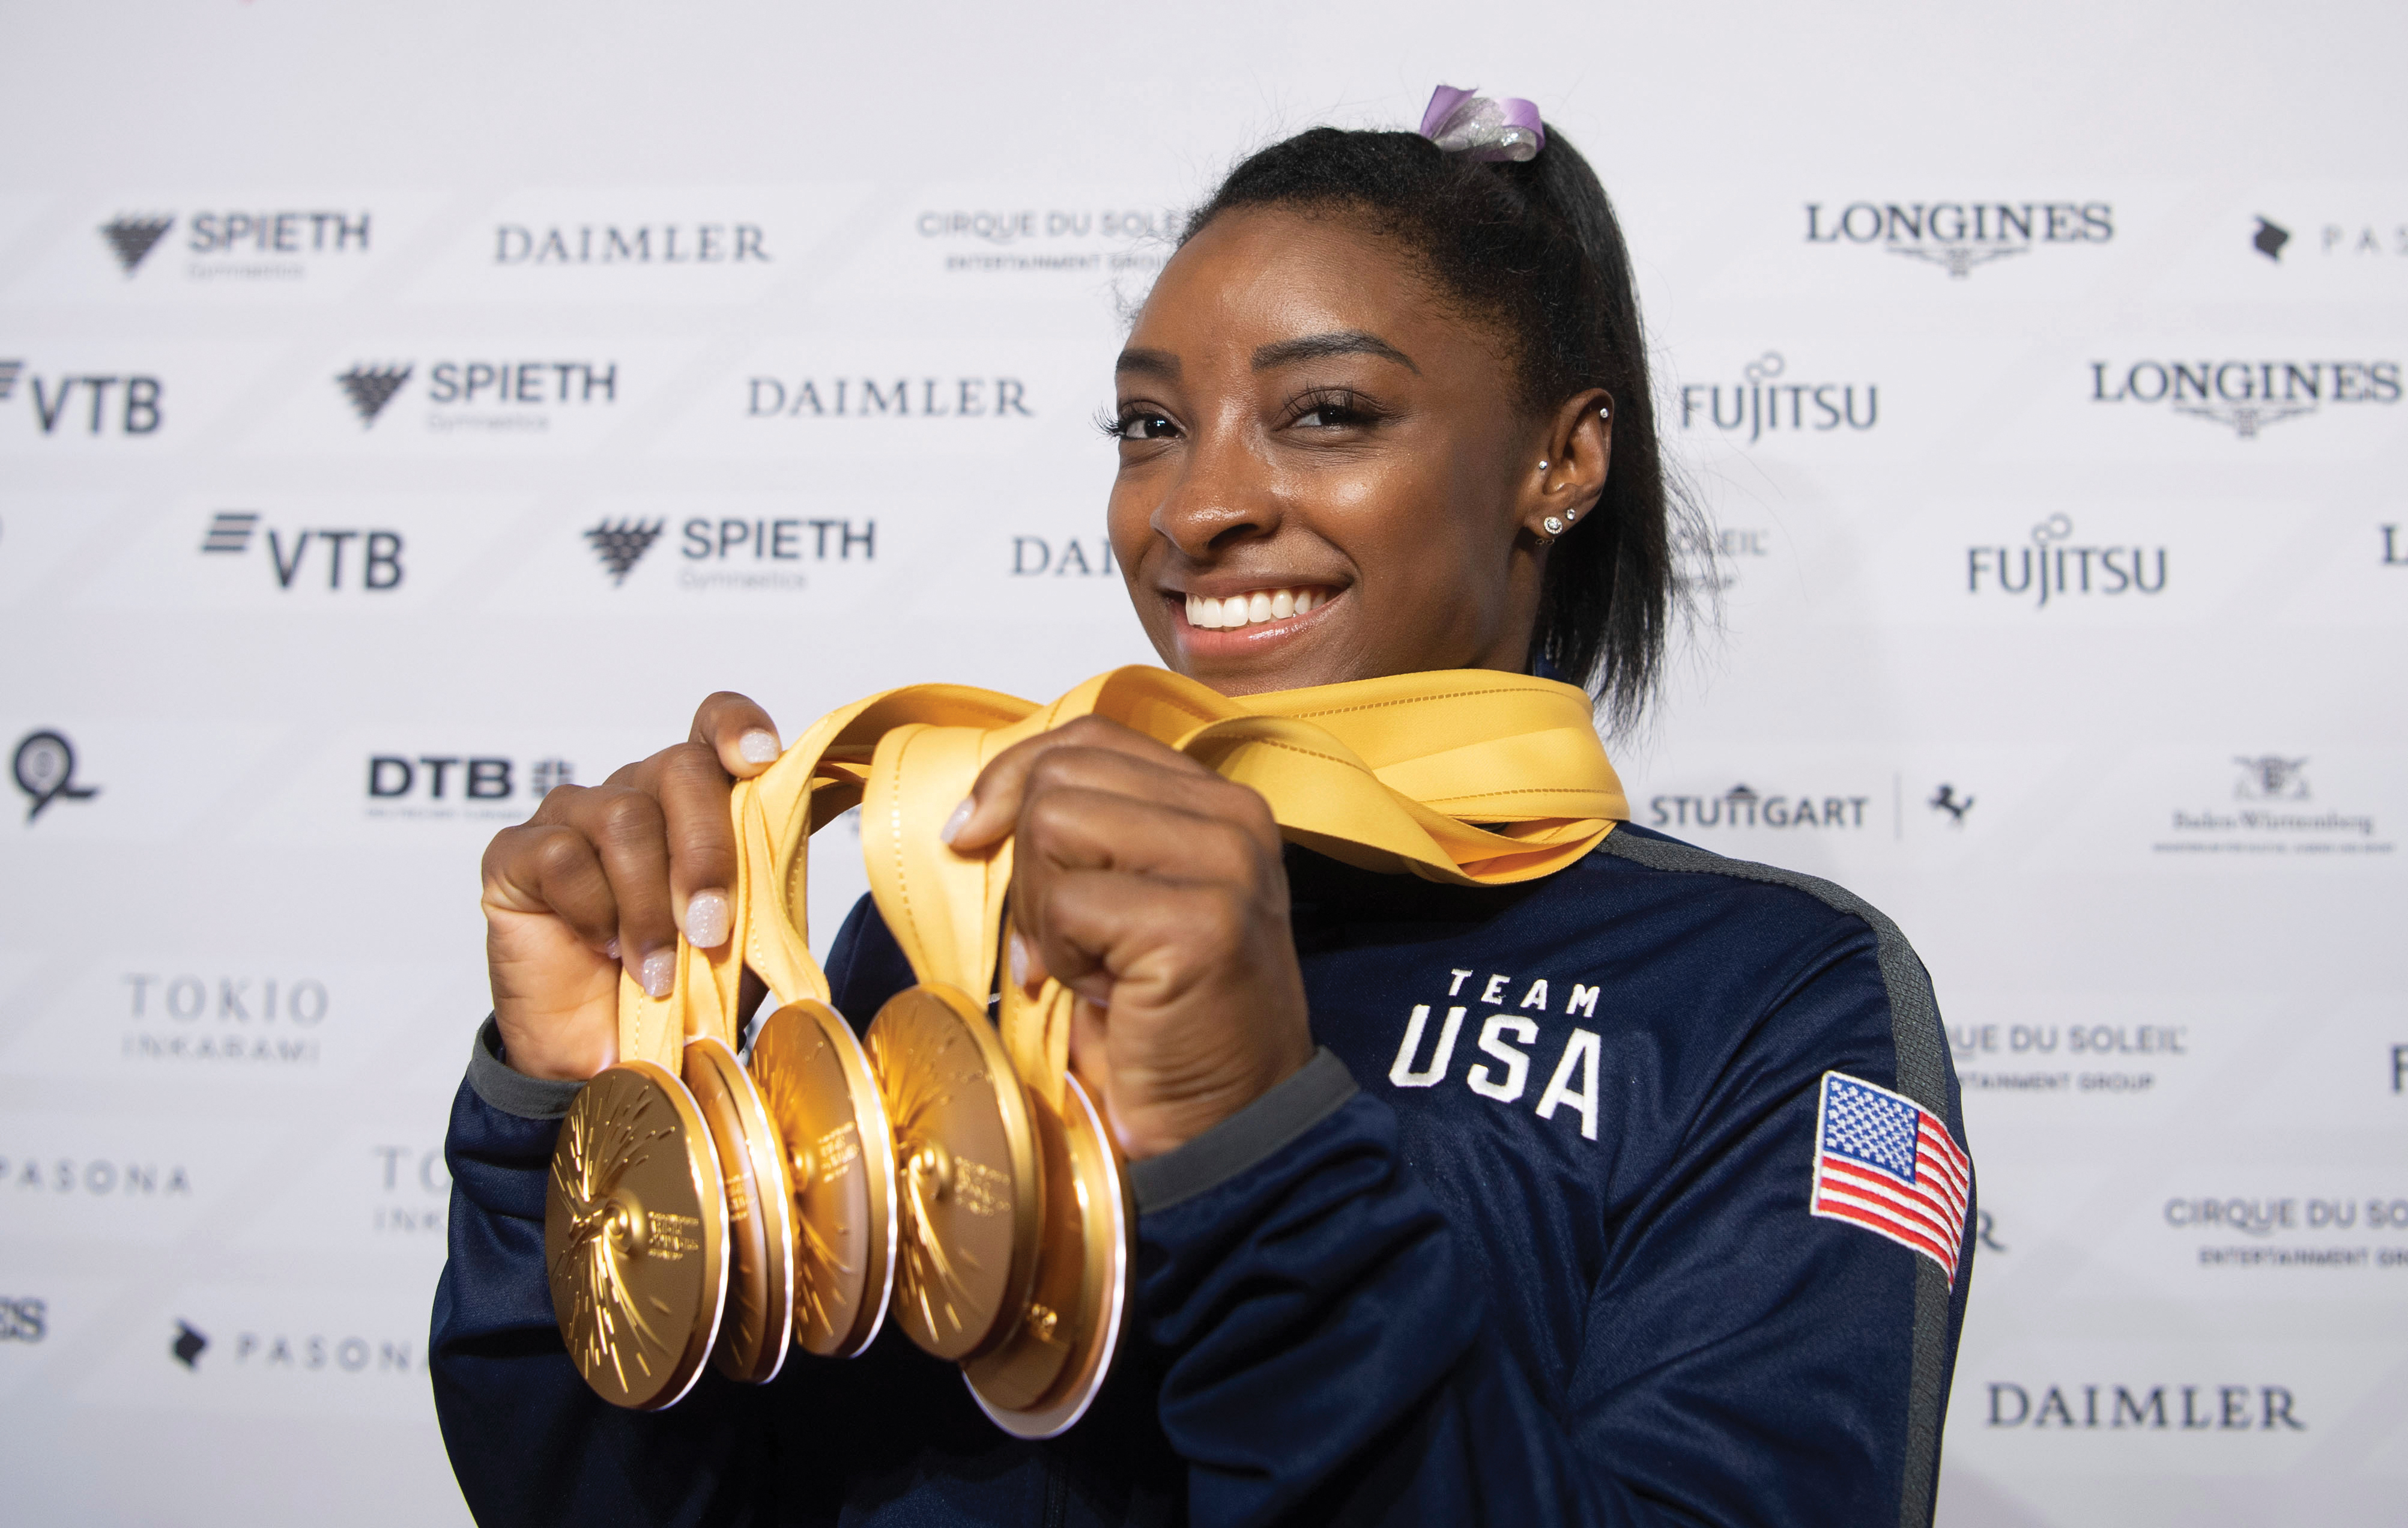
[(1570, 516), (1542, 465), (1606, 412), (1554, 526)]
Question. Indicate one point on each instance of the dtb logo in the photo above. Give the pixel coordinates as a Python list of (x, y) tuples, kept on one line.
[(86, 403), (458, 777), (350, 559)]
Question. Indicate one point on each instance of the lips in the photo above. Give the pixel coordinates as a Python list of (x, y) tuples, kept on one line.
[(1255, 606)]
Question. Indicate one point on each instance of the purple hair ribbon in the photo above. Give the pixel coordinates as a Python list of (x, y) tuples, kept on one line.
[(1464, 122)]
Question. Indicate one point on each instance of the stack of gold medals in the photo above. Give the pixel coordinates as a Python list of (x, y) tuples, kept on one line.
[(946, 1167)]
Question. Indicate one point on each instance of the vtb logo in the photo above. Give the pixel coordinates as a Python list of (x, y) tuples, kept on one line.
[(100, 407), (376, 568)]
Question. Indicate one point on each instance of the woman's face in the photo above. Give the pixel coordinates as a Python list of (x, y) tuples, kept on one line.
[(1323, 472)]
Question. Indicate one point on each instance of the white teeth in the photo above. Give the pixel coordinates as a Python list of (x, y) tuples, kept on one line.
[(1239, 609)]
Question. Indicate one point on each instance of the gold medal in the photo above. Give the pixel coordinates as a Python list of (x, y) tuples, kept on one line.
[(966, 1170), (1054, 1360), (840, 1165), (759, 1318), (635, 1236)]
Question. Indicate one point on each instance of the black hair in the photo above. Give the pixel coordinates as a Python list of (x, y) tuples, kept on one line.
[(1532, 249)]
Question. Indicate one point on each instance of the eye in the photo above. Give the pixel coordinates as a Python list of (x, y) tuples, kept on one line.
[(1137, 424), (1333, 411)]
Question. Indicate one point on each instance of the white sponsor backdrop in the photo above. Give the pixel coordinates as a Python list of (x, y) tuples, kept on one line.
[(2040, 369)]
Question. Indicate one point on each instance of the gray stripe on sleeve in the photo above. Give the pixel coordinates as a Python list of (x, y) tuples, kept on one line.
[(513, 1092), (1252, 1135), (1922, 1057)]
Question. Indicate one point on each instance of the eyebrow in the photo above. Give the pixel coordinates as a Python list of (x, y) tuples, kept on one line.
[(1315, 347), (1150, 362)]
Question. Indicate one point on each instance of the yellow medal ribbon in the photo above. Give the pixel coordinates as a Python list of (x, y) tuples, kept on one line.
[(1468, 776)]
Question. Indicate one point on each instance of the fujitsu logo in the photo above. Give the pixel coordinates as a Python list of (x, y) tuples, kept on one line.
[(370, 388), (1960, 236), (2053, 568), (2244, 395), (1764, 403)]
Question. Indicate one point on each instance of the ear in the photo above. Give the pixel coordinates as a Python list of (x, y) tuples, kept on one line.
[(1564, 485)]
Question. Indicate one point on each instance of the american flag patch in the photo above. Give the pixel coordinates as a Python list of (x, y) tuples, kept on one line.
[(1886, 1164)]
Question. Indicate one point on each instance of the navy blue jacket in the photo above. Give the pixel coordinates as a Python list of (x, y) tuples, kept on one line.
[(1527, 1243)]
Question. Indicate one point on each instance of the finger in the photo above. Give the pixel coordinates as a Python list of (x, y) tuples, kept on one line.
[(693, 789), (1069, 826), (1096, 929), (994, 802), (738, 731), (547, 868), (624, 827)]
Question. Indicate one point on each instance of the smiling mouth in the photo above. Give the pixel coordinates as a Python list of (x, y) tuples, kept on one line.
[(1255, 606)]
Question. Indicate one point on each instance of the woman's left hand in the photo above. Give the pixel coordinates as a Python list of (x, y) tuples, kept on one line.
[(1153, 888)]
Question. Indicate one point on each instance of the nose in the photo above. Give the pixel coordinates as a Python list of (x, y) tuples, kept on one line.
[(1224, 494)]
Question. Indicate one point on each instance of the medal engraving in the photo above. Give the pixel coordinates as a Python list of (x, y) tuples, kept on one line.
[(635, 1226), (839, 1165), (967, 1175)]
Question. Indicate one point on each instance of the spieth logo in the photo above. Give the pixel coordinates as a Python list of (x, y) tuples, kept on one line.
[(2245, 396), (2051, 568), (486, 395), (1763, 404), (1742, 807), (765, 556), (132, 238), (377, 568), (1959, 236), (630, 244), (370, 388), (2191, 1408), (903, 397), (621, 545), (2271, 777), (244, 246), (101, 408)]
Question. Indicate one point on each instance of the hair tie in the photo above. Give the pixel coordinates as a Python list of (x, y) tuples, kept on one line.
[(1463, 121)]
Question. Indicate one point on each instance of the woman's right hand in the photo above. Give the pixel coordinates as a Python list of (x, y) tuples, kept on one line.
[(608, 876)]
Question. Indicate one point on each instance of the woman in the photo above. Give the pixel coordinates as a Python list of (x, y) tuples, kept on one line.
[(1385, 411)]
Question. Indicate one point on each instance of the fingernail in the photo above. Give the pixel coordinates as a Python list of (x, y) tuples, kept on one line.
[(953, 824), (611, 949), (660, 972), (1019, 962), (706, 920), (758, 747)]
